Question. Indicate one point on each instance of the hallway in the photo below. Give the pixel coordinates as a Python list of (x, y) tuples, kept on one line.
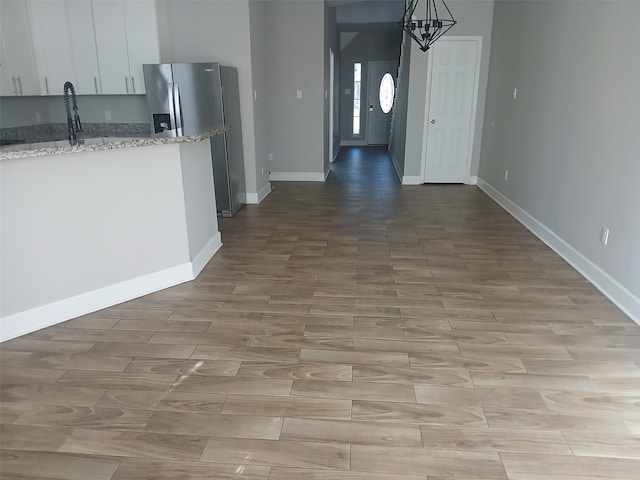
[(348, 330)]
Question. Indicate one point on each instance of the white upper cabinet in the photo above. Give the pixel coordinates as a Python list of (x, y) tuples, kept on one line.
[(65, 45), (6, 87), (126, 37), (142, 39), (83, 47), (52, 45), (19, 74), (111, 43)]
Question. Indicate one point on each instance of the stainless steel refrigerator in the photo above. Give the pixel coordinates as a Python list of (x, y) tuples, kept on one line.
[(194, 98)]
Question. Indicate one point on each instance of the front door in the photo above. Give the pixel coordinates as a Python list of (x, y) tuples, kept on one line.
[(451, 113), (381, 86)]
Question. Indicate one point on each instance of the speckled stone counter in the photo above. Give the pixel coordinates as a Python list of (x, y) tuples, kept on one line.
[(61, 147)]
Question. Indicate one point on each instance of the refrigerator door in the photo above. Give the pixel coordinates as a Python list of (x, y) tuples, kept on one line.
[(158, 81), (220, 159), (196, 89), (231, 114)]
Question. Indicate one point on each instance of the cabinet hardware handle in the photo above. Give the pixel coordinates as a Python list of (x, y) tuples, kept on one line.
[(46, 84), (126, 83), (20, 85), (133, 84), (95, 82), (15, 85)]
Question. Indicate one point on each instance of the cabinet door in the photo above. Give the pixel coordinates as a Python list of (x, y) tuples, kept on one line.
[(142, 39), (6, 85), (83, 47), (18, 47), (52, 45), (111, 44)]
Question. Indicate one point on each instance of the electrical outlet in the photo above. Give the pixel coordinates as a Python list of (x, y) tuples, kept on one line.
[(506, 175), (604, 237), (270, 156), (107, 115), (38, 117), (299, 94)]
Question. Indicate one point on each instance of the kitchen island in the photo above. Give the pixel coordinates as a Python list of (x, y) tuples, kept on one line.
[(90, 226)]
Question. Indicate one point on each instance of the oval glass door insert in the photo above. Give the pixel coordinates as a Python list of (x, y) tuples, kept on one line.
[(387, 92)]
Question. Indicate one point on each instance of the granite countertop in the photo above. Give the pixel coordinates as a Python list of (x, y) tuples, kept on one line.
[(94, 145)]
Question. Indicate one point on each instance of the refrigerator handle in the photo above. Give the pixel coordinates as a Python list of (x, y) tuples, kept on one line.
[(178, 109), (172, 113)]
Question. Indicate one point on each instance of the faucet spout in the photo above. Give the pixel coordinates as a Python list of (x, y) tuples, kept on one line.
[(73, 124)]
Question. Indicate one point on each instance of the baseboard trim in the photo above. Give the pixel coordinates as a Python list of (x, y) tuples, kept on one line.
[(611, 288), (412, 180), (296, 176), (473, 180), (41, 317), (327, 172), (256, 198), (335, 154), (206, 254), (47, 315), (264, 192), (394, 161), (353, 143)]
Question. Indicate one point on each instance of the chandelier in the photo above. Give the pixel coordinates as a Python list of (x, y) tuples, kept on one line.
[(427, 30)]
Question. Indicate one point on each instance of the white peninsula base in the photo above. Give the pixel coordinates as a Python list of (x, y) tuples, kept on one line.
[(86, 230)]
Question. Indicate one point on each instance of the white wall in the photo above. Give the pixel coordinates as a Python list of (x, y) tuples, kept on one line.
[(78, 222), (83, 231), (21, 111), (123, 108), (398, 137), (570, 141), (294, 43), (218, 31), (474, 19), (259, 55), (199, 195), (331, 42)]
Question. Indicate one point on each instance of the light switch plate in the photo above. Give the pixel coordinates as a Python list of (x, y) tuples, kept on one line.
[(299, 94)]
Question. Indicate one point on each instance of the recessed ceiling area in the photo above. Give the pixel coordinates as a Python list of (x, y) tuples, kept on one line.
[(368, 15), (337, 3)]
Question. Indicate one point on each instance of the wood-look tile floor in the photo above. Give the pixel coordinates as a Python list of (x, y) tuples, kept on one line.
[(353, 330)]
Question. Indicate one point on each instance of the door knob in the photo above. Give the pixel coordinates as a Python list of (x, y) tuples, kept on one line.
[(433, 120), (371, 108)]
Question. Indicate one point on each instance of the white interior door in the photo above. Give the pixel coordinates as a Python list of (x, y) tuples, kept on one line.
[(454, 68), (379, 116)]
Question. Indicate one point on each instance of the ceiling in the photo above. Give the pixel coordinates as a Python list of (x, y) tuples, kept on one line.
[(368, 15), (337, 3)]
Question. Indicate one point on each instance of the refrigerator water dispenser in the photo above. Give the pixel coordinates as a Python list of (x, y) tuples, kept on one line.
[(161, 122)]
